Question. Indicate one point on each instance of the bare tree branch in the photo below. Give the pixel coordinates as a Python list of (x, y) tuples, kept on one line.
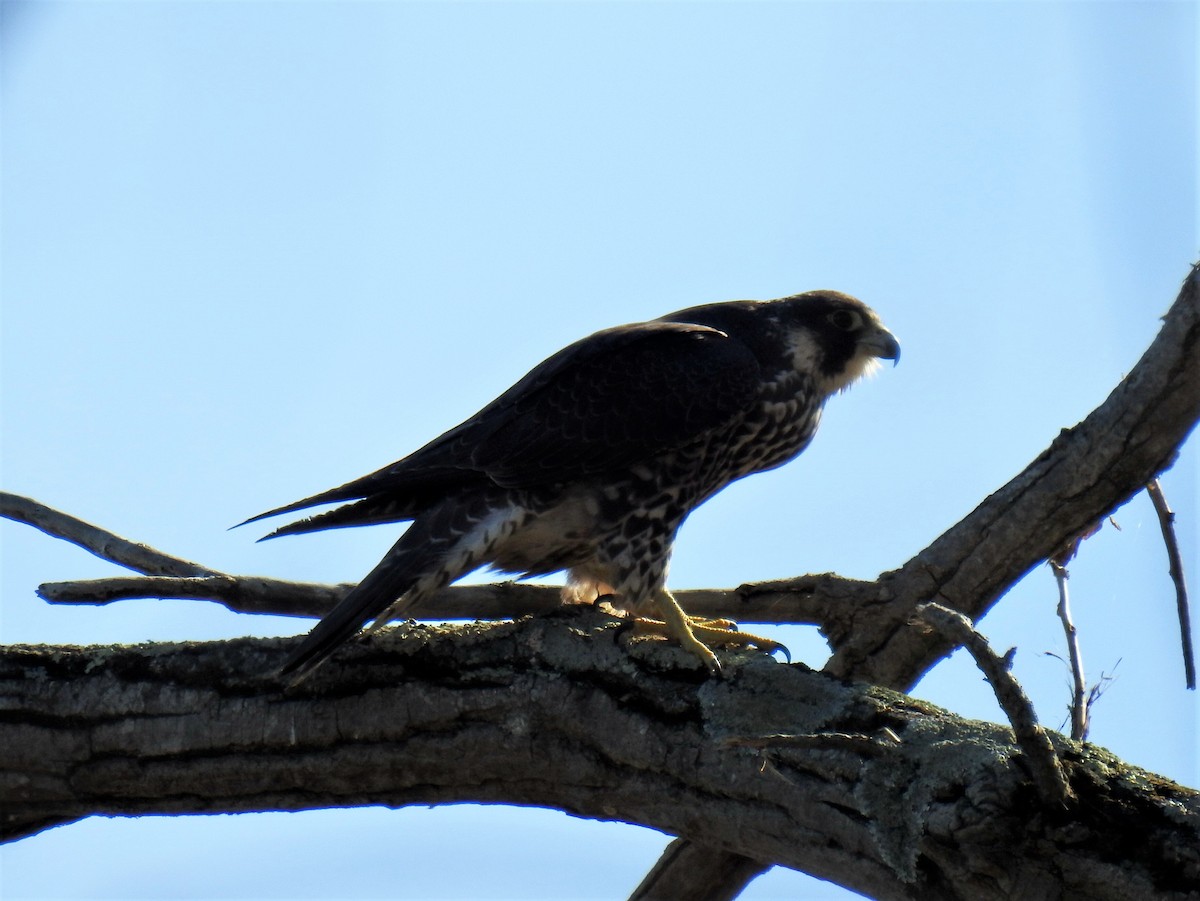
[(804, 600), (1080, 698), (1166, 521), (1047, 771), (1079, 695), (241, 594), (554, 711), (102, 543), (688, 871), (859, 742)]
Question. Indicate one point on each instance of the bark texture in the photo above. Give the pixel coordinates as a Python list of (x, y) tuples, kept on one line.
[(859, 785)]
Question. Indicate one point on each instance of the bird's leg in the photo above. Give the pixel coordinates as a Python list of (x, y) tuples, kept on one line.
[(679, 627), (699, 636)]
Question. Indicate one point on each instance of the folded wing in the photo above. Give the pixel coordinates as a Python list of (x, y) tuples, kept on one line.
[(607, 402)]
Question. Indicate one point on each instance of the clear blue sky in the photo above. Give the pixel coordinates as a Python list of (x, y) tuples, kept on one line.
[(252, 250)]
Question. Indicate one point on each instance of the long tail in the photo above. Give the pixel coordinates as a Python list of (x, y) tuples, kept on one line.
[(391, 578), (442, 545), (393, 494)]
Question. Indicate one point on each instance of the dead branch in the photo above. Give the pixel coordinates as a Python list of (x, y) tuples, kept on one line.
[(1079, 697), (637, 734), (102, 543), (1080, 705), (804, 600), (857, 742), (1166, 522), (687, 870), (241, 594)]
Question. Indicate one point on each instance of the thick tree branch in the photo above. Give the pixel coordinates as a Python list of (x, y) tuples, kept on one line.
[(555, 711)]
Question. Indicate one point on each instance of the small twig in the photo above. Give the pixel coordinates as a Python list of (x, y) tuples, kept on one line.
[(1166, 521), (102, 543), (1058, 561), (1048, 775), (1096, 692), (1079, 697)]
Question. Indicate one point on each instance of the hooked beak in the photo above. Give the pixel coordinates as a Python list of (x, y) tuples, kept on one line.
[(881, 343)]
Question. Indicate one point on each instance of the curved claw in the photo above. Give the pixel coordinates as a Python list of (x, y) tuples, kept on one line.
[(724, 636), (699, 637)]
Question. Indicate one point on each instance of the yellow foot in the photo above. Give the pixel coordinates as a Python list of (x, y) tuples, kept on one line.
[(698, 637)]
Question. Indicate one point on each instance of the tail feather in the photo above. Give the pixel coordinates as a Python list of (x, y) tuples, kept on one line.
[(367, 512), (389, 580), (331, 496), (443, 544), (401, 492)]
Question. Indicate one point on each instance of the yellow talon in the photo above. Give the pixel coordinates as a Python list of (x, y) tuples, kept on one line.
[(698, 637)]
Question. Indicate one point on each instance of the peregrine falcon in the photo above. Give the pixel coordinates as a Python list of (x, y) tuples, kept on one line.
[(592, 461)]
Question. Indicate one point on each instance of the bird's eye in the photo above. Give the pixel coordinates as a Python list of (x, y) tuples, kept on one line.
[(846, 320)]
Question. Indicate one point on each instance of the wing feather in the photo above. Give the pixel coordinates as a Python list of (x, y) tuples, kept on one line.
[(625, 397), (615, 398)]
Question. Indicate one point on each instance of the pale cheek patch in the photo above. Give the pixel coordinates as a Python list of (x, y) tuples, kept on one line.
[(860, 366), (807, 357)]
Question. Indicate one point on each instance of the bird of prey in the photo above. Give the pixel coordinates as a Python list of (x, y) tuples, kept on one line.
[(592, 461)]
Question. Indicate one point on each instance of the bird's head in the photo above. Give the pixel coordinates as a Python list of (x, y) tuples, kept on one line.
[(834, 336)]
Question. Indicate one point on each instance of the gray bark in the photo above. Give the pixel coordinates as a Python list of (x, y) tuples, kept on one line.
[(863, 786)]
